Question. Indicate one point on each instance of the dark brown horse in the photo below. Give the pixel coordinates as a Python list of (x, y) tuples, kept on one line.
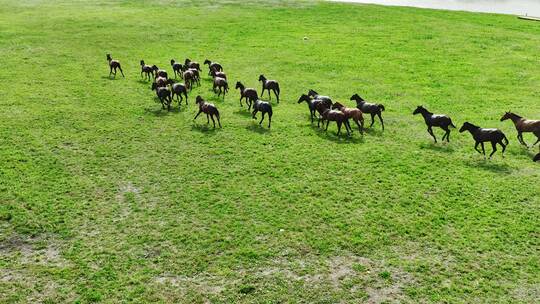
[(370, 108), (249, 94), (158, 72), (209, 109), (523, 126), (177, 68), (481, 135), (435, 120), (113, 65), (312, 104), (179, 89), (213, 66), (351, 113), (315, 95), (333, 115), (189, 79), (196, 76), (188, 64), (222, 85), (265, 108), (215, 73), (269, 85), (147, 70), (164, 95)]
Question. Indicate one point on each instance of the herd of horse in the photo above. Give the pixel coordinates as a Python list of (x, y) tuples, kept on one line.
[(167, 88)]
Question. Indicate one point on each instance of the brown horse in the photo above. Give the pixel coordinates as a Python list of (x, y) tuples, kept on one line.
[(481, 135), (269, 85), (213, 66), (312, 104), (188, 64), (222, 85), (209, 109), (177, 68), (216, 73), (113, 65), (353, 113), (249, 94), (158, 72), (147, 70), (370, 108), (333, 115), (189, 79), (435, 120), (523, 125)]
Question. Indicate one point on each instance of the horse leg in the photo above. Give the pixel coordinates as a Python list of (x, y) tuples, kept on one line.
[(503, 148), (122, 72), (269, 120), (380, 118), (185, 94), (483, 150), (327, 122), (207, 118), (430, 131), (348, 127), (262, 118), (476, 147), (213, 121), (339, 122), (241, 100), (110, 72), (359, 127), (494, 145), (197, 114), (277, 96), (218, 120), (372, 119)]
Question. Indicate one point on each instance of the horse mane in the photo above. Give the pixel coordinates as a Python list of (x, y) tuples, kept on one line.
[(514, 114)]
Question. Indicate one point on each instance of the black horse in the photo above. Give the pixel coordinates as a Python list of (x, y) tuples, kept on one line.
[(481, 135), (312, 104), (370, 108), (264, 107), (435, 120)]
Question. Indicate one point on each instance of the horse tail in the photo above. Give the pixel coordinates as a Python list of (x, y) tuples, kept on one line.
[(505, 139), (381, 107), (217, 113), (270, 111)]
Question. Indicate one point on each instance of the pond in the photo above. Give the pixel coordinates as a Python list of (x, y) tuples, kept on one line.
[(515, 7)]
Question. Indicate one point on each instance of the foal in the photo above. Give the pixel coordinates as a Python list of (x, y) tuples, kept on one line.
[(480, 135), (147, 70), (222, 85), (249, 94), (209, 109), (353, 113), (113, 65), (176, 67), (523, 125), (269, 85), (264, 107), (312, 104), (196, 76), (435, 120), (213, 66), (333, 115), (371, 108), (189, 78)]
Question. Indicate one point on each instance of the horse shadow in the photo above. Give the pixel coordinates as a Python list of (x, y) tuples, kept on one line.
[(245, 113), (112, 77), (355, 137), (489, 165), (261, 129), (445, 147), (205, 128), (159, 112), (373, 131)]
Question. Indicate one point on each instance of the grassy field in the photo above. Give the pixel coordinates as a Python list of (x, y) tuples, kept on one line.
[(106, 198)]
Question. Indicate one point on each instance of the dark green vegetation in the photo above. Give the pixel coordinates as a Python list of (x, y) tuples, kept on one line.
[(104, 197)]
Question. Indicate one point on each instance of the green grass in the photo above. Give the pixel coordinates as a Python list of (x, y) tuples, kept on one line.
[(105, 198)]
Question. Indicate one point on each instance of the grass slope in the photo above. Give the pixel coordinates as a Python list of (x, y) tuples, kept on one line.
[(106, 198)]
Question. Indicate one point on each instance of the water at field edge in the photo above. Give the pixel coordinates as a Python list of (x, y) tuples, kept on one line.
[(514, 7)]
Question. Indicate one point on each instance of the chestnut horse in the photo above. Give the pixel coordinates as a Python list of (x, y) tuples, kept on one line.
[(209, 109), (333, 115), (523, 125), (353, 113), (481, 135)]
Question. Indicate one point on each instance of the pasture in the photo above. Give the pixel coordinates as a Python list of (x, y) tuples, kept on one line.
[(104, 197)]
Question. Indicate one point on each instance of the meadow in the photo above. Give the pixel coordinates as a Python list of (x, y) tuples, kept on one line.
[(106, 198)]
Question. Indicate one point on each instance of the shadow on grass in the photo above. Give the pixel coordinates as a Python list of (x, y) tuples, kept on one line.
[(331, 134), (373, 131), (244, 113), (489, 165), (437, 147), (118, 77), (205, 128), (261, 129), (159, 111), (142, 81)]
